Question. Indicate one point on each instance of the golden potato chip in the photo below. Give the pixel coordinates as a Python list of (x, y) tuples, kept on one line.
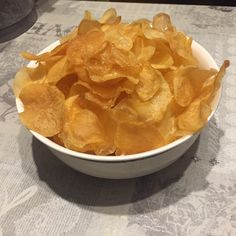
[(211, 86), (57, 51), (194, 117), (162, 22), (168, 126), (22, 78), (154, 109), (88, 25), (43, 108), (126, 61), (69, 36), (109, 16), (142, 50), (181, 45), (113, 35), (162, 57), (59, 70), (101, 102), (151, 33), (113, 76), (221, 74), (83, 131), (133, 137), (183, 90), (85, 46), (28, 75), (108, 91), (149, 83)]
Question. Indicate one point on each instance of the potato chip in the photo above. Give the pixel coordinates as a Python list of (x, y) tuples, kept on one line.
[(162, 22), (142, 50), (87, 25), (28, 75), (149, 83), (162, 57), (181, 45), (168, 126), (108, 91), (221, 74), (69, 36), (22, 78), (59, 50), (59, 70), (85, 46), (83, 131), (43, 108), (133, 137), (109, 17), (194, 117), (154, 109), (150, 32), (182, 88), (121, 41)]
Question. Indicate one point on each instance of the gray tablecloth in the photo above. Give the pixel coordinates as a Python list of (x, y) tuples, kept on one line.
[(39, 195)]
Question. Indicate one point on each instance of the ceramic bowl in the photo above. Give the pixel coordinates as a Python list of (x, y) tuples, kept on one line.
[(128, 166)]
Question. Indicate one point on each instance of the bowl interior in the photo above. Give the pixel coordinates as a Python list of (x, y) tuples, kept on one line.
[(206, 62)]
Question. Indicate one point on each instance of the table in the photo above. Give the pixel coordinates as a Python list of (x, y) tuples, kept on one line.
[(39, 195)]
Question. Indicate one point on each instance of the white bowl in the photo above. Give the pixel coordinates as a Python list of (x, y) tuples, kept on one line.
[(127, 166)]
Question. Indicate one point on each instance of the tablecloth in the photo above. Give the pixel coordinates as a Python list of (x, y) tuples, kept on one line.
[(39, 195)]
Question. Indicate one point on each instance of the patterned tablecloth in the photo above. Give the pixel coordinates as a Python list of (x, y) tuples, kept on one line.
[(39, 195)]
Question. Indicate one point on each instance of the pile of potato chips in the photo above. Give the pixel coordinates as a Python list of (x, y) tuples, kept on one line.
[(117, 88)]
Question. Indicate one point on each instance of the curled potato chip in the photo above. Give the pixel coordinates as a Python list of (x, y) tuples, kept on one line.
[(194, 117), (162, 22), (149, 83), (142, 50), (85, 46), (183, 90), (43, 108), (186, 83), (109, 17), (59, 70), (59, 50), (83, 131), (162, 57), (69, 36), (107, 90), (87, 25), (221, 74), (182, 46), (22, 78), (28, 75), (150, 32), (154, 109), (167, 128), (134, 137), (151, 111), (113, 35)]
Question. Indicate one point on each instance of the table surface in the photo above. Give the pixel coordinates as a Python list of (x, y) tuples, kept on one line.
[(39, 195)]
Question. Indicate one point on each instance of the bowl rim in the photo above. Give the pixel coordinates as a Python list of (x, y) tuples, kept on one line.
[(130, 157)]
